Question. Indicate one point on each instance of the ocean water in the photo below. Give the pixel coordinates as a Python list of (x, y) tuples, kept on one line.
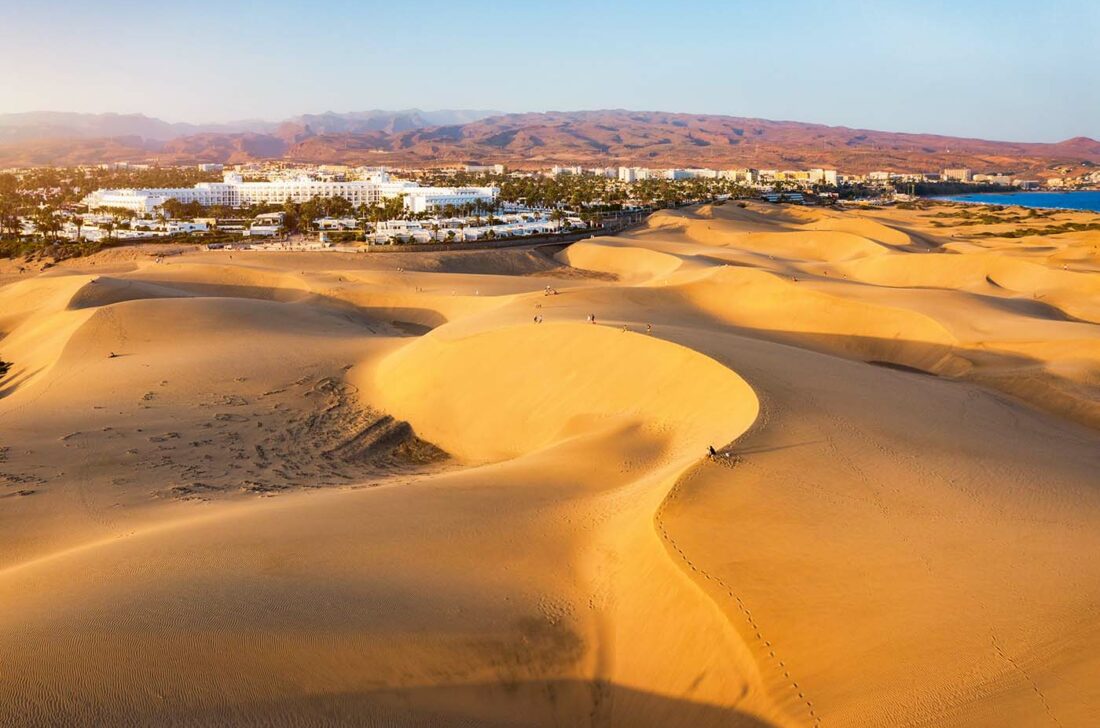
[(1077, 200)]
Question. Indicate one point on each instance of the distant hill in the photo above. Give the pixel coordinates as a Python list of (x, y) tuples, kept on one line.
[(610, 137), (63, 125), (388, 121), (67, 126)]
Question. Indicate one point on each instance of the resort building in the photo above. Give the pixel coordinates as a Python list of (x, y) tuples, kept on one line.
[(694, 173), (745, 175), (633, 174), (958, 175), (233, 191), (994, 179), (485, 168), (823, 177)]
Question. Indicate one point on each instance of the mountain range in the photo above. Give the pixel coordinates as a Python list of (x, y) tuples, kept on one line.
[(607, 137), (65, 125)]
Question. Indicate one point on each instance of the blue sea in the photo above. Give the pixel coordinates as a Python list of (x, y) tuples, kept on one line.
[(1082, 200)]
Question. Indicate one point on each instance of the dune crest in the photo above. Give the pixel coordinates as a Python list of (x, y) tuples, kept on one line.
[(624, 379)]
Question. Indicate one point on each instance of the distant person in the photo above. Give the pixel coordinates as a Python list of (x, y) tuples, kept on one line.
[(712, 452), (649, 329)]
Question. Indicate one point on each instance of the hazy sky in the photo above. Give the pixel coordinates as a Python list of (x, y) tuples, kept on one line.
[(1001, 70)]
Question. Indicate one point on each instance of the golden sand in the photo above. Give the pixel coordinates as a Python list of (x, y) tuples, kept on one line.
[(326, 489)]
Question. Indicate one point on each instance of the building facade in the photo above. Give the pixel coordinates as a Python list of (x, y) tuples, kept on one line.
[(233, 191), (960, 174)]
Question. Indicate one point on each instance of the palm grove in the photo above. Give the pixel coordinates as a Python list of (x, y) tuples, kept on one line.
[(43, 200)]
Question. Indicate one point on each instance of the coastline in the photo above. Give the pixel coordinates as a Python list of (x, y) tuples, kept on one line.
[(1014, 198)]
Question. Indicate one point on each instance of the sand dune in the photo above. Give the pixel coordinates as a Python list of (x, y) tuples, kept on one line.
[(328, 489)]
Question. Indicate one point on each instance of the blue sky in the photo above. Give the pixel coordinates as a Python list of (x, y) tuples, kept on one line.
[(1025, 71)]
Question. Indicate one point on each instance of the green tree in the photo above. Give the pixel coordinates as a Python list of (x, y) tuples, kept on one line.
[(393, 208), (10, 223), (45, 222), (309, 210), (338, 207), (291, 215)]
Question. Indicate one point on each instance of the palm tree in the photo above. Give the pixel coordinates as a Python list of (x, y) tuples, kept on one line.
[(557, 216), (45, 222), (9, 217), (79, 222)]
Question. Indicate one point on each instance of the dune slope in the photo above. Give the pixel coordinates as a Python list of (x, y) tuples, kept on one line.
[(328, 489)]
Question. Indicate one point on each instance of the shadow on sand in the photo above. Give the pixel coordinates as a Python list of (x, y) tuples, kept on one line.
[(541, 703)]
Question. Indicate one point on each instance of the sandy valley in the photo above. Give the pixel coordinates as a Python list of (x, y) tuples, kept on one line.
[(316, 488)]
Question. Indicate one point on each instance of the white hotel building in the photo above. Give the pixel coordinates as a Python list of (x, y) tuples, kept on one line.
[(235, 192)]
